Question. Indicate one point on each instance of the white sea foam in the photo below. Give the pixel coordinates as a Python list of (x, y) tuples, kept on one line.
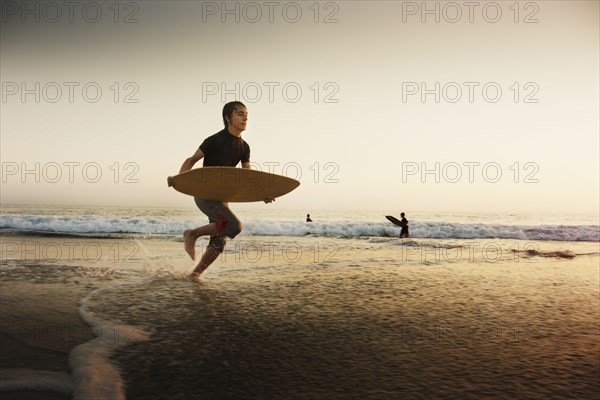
[(28, 379), (166, 226), (93, 224), (93, 376)]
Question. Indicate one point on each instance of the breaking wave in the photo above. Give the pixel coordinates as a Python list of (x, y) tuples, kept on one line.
[(50, 225)]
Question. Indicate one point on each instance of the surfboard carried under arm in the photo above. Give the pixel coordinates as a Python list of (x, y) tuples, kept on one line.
[(230, 184), (395, 221)]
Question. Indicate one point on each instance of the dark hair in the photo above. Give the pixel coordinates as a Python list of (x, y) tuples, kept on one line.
[(229, 108), (402, 214)]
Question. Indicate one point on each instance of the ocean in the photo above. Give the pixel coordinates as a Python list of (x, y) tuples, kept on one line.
[(470, 306), (157, 222)]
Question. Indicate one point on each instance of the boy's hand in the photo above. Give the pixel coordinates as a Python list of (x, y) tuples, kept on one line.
[(269, 200)]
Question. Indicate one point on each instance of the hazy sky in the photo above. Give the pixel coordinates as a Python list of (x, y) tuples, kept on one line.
[(442, 106)]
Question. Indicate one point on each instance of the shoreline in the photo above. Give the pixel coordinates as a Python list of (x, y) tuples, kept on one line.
[(40, 302), (434, 304), (34, 395), (40, 340)]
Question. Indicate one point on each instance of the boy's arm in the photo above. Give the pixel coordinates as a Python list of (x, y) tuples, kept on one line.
[(187, 164), (190, 161)]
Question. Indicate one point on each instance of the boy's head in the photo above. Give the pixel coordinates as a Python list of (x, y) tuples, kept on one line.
[(231, 111), (402, 215)]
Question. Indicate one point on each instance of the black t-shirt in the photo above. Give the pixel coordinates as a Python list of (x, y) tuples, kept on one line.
[(224, 150)]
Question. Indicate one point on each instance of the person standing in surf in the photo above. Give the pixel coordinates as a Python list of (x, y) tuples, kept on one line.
[(223, 149), (404, 226)]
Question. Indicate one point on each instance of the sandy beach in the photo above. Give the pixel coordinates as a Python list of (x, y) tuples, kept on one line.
[(349, 318), (43, 281), (38, 334)]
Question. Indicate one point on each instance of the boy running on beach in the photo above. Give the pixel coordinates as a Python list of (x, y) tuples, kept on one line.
[(225, 148)]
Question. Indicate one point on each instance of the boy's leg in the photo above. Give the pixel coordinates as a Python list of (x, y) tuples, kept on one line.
[(190, 236), (214, 248), (210, 209), (223, 223)]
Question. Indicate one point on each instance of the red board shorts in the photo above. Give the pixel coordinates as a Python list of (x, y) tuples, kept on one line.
[(219, 213)]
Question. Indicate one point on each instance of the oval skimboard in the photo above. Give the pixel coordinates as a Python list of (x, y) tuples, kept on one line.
[(230, 184)]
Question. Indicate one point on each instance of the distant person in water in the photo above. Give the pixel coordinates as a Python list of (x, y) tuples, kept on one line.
[(225, 148), (308, 218), (404, 226)]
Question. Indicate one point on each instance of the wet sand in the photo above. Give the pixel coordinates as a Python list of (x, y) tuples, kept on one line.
[(364, 325), (31, 395), (42, 281), (17, 354), (40, 335), (368, 321)]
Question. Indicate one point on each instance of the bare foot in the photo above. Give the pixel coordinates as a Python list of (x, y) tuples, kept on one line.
[(195, 277), (189, 242)]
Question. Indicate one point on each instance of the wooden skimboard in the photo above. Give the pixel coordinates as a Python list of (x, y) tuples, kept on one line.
[(394, 220), (230, 184)]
